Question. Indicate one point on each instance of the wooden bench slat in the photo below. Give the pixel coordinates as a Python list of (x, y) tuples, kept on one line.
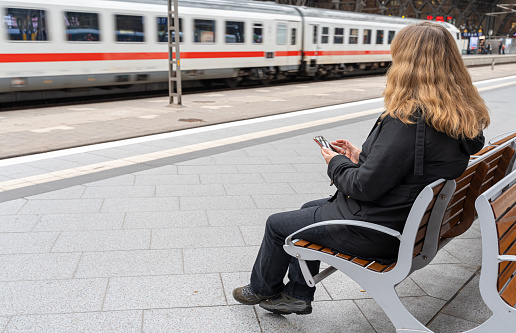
[(506, 222), (503, 201), (504, 140), (509, 293), (301, 243), (506, 270), (484, 150), (361, 262), (507, 240)]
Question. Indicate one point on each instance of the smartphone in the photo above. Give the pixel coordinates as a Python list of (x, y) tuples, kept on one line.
[(321, 141)]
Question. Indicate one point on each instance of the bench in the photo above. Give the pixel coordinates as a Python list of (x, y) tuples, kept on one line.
[(497, 216), (443, 210)]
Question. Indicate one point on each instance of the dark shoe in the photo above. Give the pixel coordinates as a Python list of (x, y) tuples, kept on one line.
[(284, 304), (245, 296)]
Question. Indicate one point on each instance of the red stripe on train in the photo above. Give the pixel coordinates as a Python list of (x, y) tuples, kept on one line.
[(64, 57), (340, 53)]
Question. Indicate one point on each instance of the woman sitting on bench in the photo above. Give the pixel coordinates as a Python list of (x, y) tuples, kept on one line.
[(433, 122)]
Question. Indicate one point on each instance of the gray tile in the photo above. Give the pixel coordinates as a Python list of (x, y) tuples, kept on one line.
[(25, 267), (84, 158), (170, 291), (241, 160), (62, 206), (264, 169), (269, 152), (225, 259), (21, 171), (232, 179), (17, 243), (124, 180), (210, 319), (106, 240), (421, 307), (196, 237), (252, 234), (189, 190), (294, 177), (228, 202), (297, 160), (93, 192), (319, 167), (76, 222), (468, 304), (444, 257), (114, 321), (342, 287), (140, 204), (208, 160), (239, 217), (11, 207), (467, 250), (449, 324), (130, 263), (163, 220), (74, 192), (3, 322), (164, 170), (18, 223), (52, 296), (205, 169), (166, 179), (327, 316), (250, 189), (314, 188), (281, 201), (442, 281)]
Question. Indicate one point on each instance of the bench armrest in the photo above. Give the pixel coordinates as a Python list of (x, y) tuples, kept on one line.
[(368, 225), (506, 258), (502, 135)]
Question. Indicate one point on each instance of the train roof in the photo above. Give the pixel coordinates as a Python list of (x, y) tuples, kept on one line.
[(239, 5)]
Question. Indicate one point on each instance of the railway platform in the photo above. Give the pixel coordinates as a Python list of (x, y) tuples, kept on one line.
[(152, 233)]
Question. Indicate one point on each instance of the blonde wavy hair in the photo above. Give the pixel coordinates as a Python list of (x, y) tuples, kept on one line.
[(428, 75)]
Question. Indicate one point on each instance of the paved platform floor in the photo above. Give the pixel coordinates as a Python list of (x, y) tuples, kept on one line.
[(152, 234), (39, 130)]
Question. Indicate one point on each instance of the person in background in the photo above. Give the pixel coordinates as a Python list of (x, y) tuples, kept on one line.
[(433, 121)]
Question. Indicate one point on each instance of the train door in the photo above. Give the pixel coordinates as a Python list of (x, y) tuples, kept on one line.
[(282, 43), (314, 46)]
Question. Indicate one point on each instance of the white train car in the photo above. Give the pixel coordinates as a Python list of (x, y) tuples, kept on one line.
[(54, 46), (337, 41), (61, 44)]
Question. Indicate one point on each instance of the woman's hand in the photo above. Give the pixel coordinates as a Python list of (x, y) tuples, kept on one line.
[(328, 154), (347, 148)]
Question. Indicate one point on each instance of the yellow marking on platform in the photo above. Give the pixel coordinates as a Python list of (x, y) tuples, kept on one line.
[(133, 160), (150, 116), (216, 107)]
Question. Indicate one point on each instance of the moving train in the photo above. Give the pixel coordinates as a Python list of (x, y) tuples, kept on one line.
[(53, 47)]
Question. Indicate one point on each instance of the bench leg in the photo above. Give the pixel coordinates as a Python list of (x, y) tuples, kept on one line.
[(389, 301)]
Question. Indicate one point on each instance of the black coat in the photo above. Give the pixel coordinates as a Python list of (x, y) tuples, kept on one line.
[(397, 161)]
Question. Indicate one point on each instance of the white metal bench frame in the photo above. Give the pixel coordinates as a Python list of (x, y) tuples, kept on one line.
[(504, 315), (381, 285)]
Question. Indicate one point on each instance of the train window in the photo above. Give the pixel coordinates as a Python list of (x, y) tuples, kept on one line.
[(257, 33), (315, 35), (235, 32), (325, 35), (281, 34), (379, 36), (293, 36), (391, 36), (353, 36), (82, 27), (367, 36), (163, 30), (204, 31), (338, 38), (129, 29), (26, 24)]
